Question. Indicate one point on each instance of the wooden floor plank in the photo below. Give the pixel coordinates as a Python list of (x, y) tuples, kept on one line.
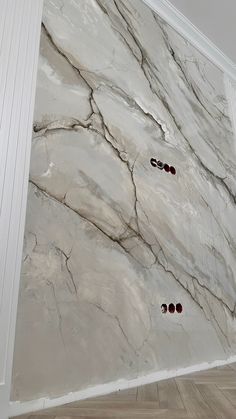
[(169, 396), (221, 406), (201, 395), (193, 400), (230, 394), (149, 393)]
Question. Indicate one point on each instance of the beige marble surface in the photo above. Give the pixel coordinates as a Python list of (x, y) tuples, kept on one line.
[(109, 238)]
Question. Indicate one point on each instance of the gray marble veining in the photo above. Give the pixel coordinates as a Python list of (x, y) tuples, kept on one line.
[(109, 238)]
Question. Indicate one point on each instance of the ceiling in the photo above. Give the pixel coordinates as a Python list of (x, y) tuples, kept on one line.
[(215, 19)]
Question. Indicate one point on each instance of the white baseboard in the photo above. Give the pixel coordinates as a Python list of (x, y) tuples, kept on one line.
[(19, 408), (190, 32)]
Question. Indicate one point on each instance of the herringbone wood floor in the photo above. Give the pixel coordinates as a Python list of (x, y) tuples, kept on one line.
[(207, 395)]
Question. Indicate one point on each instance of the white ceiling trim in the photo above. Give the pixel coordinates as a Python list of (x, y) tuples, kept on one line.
[(183, 25)]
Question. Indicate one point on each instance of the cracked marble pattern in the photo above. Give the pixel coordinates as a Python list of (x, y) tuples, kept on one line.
[(109, 238)]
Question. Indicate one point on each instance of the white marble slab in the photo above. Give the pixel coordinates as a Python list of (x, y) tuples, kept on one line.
[(108, 237)]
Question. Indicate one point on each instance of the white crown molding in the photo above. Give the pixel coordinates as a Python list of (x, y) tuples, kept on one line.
[(182, 25), (20, 408)]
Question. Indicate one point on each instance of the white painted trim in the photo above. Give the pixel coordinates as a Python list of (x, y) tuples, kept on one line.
[(20, 408), (19, 47), (182, 25)]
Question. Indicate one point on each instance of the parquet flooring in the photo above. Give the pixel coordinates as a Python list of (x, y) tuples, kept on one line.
[(204, 395)]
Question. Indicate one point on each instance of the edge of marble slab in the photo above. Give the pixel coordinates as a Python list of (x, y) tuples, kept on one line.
[(19, 408)]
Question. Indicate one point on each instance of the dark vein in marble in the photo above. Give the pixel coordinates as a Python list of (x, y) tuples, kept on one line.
[(166, 269), (230, 243), (165, 103), (225, 305), (191, 88), (77, 71), (219, 326), (182, 70), (117, 320), (104, 10), (35, 245), (213, 176), (115, 149), (105, 127), (214, 148), (141, 61), (133, 104), (207, 290), (67, 258), (118, 241), (102, 7), (172, 274), (137, 233), (196, 300), (130, 100), (161, 97), (137, 43), (69, 124), (221, 180), (50, 283), (213, 317), (179, 64)]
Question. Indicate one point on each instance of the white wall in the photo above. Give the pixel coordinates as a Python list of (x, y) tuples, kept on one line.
[(19, 39)]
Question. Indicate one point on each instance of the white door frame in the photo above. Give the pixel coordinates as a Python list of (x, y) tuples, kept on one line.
[(20, 22)]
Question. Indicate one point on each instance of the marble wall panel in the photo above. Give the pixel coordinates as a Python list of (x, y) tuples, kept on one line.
[(109, 238)]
